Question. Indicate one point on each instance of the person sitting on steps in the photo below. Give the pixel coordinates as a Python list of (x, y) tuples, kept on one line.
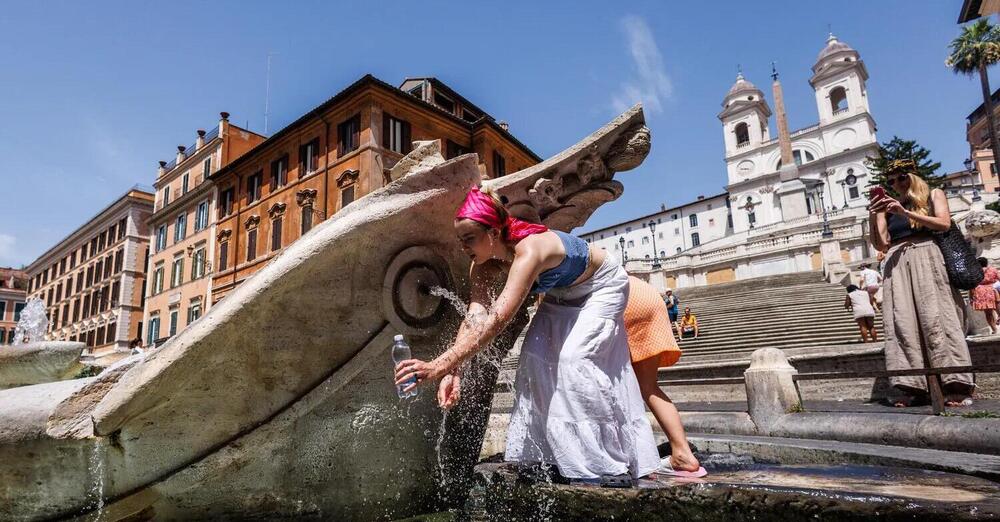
[(689, 324)]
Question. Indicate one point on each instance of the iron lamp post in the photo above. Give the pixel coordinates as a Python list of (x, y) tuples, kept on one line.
[(652, 232), (827, 233), (621, 242)]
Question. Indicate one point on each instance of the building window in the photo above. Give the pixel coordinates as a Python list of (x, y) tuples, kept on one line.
[(349, 135), (307, 218), (693, 220), (838, 100), (309, 157), (444, 102), (109, 336), (346, 195), (742, 134), (121, 227), (253, 186), (177, 272), (396, 134), (252, 244), (631, 243), (206, 168), (115, 290), (174, 313), (194, 311), (223, 255), (678, 250), (645, 240), (157, 279), (198, 263), (86, 307), (499, 165), (695, 239), (454, 150), (166, 196), (161, 240), (852, 185), (279, 173), (184, 183), (201, 216), (17, 311), (226, 202), (800, 157), (180, 228), (119, 260), (276, 234), (154, 330)]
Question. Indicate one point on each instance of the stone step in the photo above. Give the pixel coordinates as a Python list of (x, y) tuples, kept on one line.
[(782, 280)]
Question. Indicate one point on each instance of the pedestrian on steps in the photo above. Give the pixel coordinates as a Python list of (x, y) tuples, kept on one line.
[(871, 281), (984, 297), (859, 303), (672, 302), (922, 312)]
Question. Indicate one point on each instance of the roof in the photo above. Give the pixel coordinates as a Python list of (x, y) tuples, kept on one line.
[(833, 46), (970, 10), (367, 80), (980, 111), (658, 212), (741, 85)]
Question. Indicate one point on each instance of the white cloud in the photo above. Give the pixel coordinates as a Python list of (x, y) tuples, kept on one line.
[(7, 243), (650, 83)]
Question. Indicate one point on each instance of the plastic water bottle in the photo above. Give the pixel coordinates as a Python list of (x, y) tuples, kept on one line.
[(400, 353)]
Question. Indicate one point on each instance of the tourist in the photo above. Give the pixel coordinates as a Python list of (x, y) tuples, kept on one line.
[(870, 282), (984, 296), (689, 324), (671, 301), (574, 368), (652, 346), (859, 303), (922, 312)]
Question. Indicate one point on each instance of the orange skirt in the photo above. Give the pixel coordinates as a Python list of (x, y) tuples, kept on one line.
[(647, 325)]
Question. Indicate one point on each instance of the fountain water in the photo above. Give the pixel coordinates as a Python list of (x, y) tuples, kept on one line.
[(33, 324)]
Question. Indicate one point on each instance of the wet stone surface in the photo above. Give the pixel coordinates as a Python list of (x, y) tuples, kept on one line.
[(739, 489)]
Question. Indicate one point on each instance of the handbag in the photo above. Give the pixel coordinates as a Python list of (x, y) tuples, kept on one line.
[(964, 272)]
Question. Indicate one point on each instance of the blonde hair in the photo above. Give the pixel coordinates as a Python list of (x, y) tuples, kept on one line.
[(917, 198)]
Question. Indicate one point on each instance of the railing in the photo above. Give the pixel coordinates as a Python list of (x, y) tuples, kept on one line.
[(742, 144), (841, 110), (212, 134)]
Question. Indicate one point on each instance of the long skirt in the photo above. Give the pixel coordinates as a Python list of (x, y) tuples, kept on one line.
[(922, 311), (648, 326), (577, 402)]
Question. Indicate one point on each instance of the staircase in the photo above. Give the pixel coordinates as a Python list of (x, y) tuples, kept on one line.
[(793, 312)]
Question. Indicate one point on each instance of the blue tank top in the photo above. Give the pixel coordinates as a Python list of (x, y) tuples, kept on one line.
[(574, 264)]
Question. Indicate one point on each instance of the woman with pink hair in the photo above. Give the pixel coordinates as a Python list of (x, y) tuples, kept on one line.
[(577, 401)]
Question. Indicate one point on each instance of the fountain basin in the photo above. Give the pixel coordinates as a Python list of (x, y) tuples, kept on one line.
[(35, 363), (740, 489)]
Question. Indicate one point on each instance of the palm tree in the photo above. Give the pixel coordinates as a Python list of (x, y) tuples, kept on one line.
[(972, 52)]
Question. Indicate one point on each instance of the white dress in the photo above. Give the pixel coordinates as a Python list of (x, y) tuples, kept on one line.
[(577, 402)]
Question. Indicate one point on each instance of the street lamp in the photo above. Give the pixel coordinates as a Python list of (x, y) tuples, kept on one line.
[(621, 242), (827, 233), (652, 232)]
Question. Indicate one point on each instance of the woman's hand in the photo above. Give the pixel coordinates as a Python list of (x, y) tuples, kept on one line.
[(422, 371), (449, 390), (887, 204)]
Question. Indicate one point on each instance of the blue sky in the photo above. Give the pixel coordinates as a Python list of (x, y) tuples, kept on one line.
[(93, 94)]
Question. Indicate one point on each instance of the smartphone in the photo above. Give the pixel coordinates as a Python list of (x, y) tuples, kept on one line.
[(876, 193)]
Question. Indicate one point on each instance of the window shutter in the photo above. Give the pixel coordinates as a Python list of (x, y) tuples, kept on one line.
[(356, 132), (407, 142), (386, 140)]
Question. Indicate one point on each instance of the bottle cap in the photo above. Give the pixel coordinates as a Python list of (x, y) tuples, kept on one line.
[(398, 338)]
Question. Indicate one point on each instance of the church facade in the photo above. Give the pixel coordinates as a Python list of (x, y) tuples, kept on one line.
[(784, 196)]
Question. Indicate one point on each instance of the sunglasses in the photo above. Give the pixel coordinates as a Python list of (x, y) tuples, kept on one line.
[(897, 178)]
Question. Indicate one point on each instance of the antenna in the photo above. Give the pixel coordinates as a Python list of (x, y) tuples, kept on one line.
[(267, 91)]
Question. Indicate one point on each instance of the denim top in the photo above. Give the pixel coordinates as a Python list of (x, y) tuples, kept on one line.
[(574, 264)]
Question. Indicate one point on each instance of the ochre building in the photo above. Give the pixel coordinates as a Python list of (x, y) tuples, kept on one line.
[(337, 153), (182, 229), (13, 292), (91, 282)]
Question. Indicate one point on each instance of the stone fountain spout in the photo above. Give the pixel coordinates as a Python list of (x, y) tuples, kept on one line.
[(279, 402)]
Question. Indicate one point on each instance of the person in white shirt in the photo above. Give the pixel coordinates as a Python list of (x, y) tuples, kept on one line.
[(871, 281), (864, 314)]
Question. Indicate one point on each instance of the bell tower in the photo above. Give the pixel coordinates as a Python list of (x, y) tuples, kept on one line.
[(838, 79), (744, 118)]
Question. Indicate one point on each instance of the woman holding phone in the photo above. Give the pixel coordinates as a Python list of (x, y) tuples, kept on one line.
[(923, 313)]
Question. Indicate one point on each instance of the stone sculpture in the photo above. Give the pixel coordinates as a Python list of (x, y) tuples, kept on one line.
[(279, 401)]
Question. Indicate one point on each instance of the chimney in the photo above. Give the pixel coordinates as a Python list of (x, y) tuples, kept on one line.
[(200, 142), (224, 115), (701, 197), (504, 125), (162, 170), (180, 154), (663, 207)]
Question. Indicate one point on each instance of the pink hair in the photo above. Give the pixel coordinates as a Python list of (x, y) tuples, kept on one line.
[(482, 208)]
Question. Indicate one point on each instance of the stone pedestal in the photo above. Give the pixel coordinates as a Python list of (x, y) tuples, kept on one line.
[(771, 392)]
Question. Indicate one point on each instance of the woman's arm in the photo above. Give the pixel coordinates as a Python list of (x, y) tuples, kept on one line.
[(939, 221), (878, 227), (847, 303), (489, 321)]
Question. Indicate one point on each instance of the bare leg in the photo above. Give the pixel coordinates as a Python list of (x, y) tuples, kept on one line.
[(681, 457), (870, 321), (864, 329), (991, 318)]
